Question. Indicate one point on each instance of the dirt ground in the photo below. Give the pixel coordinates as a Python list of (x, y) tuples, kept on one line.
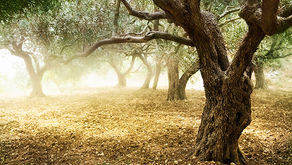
[(114, 126)]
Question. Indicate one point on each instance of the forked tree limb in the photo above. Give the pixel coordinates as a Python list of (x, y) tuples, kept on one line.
[(133, 39), (131, 66), (143, 14), (265, 16), (254, 13)]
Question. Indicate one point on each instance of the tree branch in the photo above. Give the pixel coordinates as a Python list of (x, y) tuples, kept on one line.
[(143, 14), (245, 53), (286, 11), (229, 21), (227, 12), (265, 16), (133, 39), (131, 66), (269, 15)]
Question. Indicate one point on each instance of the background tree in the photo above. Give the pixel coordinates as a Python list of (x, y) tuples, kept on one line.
[(271, 50), (29, 36)]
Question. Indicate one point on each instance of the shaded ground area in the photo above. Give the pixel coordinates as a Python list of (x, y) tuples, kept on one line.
[(113, 126)]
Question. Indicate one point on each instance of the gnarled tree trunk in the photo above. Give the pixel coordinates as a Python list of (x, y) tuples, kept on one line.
[(35, 73), (227, 110)]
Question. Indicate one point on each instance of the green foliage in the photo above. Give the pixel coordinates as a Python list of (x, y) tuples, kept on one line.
[(9, 8), (274, 48)]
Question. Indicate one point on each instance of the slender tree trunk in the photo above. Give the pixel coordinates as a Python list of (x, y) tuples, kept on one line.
[(149, 72), (122, 81), (185, 78), (157, 75), (122, 77), (148, 78), (260, 76)]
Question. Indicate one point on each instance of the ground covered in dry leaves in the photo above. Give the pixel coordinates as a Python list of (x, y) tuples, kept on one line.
[(114, 126)]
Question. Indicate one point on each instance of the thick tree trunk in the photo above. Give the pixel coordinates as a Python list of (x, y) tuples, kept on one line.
[(260, 76), (227, 111), (37, 89), (35, 77), (157, 75), (122, 80), (226, 114)]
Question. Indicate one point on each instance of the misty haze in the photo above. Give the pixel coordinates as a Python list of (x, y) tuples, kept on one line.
[(145, 82)]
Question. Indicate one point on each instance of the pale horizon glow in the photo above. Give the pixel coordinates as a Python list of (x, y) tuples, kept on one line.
[(12, 69)]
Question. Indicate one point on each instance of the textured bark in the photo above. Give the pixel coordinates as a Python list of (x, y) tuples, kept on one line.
[(260, 76), (227, 110), (173, 79)]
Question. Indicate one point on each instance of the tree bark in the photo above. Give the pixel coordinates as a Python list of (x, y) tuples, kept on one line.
[(122, 80), (228, 107), (35, 77), (227, 110), (185, 78), (149, 72), (260, 76), (173, 79), (37, 89), (35, 73), (157, 75)]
